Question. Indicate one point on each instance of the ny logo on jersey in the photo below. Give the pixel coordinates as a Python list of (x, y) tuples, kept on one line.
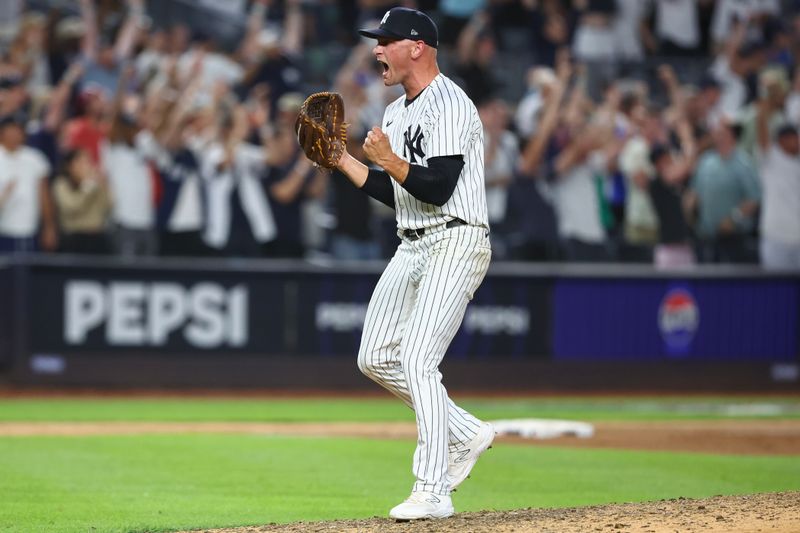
[(413, 144)]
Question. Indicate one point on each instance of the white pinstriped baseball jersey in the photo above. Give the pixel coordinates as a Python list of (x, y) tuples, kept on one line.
[(421, 297), (440, 121)]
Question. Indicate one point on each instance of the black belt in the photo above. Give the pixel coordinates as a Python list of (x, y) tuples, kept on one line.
[(414, 234)]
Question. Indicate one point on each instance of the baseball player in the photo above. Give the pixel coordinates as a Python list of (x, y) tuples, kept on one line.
[(430, 153)]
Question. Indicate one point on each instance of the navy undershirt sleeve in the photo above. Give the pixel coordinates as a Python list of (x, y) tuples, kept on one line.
[(379, 186), (435, 183)]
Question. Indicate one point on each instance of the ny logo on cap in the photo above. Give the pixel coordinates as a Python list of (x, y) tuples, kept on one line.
[(386, 16), (414, 32)]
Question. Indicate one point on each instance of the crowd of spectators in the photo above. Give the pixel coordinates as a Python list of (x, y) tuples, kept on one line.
[(660, 131)]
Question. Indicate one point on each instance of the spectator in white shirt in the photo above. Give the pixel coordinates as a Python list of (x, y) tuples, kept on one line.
[(779, 170), (594, 44), (641, 221), (131, 186), (731, 69), (28, 52), (579, 168), (130, 181), (240, 220), (502, 151), (628, 25), (677, 27), (773, 85), (180, 210), (10, 15), (728, 13), (793, 101), (213, 66), (25, 199), (150, 61)]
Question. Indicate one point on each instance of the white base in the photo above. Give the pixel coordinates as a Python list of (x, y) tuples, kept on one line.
[(538, 428)]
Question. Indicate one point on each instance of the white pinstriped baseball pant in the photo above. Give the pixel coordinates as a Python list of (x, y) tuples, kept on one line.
[(413, 315)]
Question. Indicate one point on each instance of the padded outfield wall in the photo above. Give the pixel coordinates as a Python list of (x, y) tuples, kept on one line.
[(71, 321)]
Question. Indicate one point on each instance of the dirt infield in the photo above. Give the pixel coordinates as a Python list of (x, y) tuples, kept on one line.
[(775, 513), (768, 437)]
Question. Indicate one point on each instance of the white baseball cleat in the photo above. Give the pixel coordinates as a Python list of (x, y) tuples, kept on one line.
[(421, 505), (460, 463)]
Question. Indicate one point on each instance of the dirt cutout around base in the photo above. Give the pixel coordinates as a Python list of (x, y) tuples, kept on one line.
[(766, 437), (774, 513)]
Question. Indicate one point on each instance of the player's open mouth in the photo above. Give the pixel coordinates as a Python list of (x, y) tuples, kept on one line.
[(384, 65)]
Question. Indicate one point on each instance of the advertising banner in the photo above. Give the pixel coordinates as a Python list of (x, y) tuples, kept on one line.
[(141, 311), (657, 319), (152, 311), (508, 317), (213, 310), (6, 316)]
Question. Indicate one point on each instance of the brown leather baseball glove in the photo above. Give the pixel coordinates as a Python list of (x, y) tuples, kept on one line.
[(321, 130)]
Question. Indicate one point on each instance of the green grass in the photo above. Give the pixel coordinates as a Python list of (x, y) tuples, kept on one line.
[(171, 482), (388, 409)]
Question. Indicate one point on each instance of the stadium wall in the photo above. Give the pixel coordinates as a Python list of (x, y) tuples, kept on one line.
[(69, 321), (6, 316)]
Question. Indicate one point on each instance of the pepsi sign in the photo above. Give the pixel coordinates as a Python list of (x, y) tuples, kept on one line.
[(678, 320)]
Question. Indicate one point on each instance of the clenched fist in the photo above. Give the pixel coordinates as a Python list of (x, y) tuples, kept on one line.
[(377, 147)]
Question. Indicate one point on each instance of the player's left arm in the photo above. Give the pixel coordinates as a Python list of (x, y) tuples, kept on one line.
[(375, 183), (433, 184)]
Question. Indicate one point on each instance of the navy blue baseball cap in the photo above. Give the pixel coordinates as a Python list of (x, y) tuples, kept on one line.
[(404, 23)]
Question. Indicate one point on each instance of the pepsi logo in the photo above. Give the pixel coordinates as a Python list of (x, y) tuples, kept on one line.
[(678, 318)]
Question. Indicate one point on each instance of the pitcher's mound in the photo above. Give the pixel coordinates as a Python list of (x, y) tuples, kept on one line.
[(773, 513)]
